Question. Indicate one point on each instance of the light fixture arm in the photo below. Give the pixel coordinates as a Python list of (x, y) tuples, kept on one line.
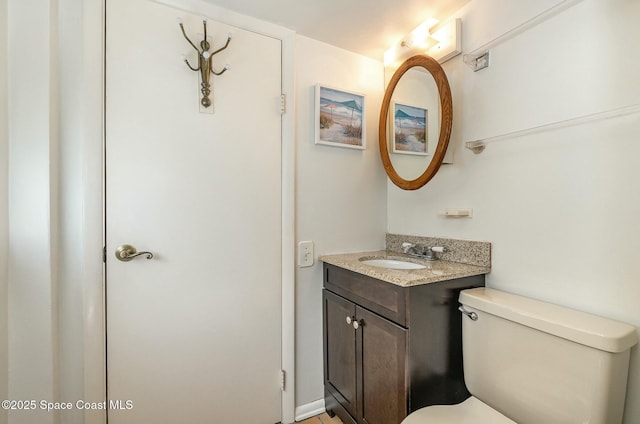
[(205, 62)]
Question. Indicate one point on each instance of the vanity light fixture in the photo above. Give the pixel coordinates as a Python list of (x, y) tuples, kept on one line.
[(441, 41), (205, 61)]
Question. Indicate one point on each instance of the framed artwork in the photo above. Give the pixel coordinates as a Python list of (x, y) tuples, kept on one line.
[(409, 130), (339, 118)]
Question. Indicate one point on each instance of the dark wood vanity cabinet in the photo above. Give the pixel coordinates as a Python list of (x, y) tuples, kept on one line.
[(364, 367), (389, 350)]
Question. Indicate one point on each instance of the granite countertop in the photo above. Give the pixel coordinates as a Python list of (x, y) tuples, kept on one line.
[(435, 271)]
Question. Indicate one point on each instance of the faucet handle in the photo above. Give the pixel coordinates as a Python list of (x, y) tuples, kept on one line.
[(431, 252), (423, 251), (407, 246)]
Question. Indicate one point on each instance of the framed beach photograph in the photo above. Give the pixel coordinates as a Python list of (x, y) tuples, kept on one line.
[(339, 117), (409, 128)]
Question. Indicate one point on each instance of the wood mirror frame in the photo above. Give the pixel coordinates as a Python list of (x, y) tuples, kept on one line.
[(446, 120)]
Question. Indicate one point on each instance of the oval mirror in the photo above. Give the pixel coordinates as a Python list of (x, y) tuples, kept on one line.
[(415, 122)]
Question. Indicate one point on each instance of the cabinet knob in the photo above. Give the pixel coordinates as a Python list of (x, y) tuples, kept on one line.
[(349, 320), (357, 323)]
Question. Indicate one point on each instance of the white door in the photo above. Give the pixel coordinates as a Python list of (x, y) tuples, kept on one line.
[(194, 334)]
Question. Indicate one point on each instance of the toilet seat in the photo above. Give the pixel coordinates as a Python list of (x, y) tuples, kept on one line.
[(471, 411)]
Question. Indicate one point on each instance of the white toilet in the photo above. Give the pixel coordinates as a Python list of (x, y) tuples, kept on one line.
[(531, 362)]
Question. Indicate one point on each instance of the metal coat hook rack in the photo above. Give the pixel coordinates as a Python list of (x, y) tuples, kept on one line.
[(205, 61)]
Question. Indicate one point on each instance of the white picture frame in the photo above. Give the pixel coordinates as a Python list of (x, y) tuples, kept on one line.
[(339, 118)]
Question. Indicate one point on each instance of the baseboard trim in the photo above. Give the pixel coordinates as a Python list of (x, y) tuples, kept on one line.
[(309, 410)]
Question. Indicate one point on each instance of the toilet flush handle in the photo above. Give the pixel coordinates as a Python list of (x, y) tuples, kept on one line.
[(472, 315)]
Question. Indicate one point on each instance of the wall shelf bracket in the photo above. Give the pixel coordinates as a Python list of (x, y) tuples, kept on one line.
[(477, 61), (475, 146)]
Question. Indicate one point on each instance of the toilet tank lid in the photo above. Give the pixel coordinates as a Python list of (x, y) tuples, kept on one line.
[(580, 327)]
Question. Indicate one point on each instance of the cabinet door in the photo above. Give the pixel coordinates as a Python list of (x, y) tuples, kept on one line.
[(340, 350), (382, 353)]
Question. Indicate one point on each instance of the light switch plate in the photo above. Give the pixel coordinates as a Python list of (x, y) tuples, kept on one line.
[(305, 254)]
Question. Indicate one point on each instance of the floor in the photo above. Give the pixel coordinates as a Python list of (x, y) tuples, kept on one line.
[(321, 419)]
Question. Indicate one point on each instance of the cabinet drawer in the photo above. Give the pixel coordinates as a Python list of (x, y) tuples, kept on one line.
[(385, 299)]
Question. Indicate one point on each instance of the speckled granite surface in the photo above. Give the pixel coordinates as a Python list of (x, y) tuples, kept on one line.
[(462, 251), (435, 270)]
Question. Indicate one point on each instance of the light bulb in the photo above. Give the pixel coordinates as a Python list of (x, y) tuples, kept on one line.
[(390, 56)]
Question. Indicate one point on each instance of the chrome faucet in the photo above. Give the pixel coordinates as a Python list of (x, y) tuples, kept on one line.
[(422, 251)]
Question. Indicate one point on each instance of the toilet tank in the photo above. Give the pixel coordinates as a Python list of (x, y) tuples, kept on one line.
[(536, 362)]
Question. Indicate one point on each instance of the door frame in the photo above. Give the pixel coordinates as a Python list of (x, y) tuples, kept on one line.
[(94, 296)]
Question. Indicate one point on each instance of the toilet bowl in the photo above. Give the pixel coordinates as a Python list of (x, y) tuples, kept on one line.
[(532, 362), (471, 411)]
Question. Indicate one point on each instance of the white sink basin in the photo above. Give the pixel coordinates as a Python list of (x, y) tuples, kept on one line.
[(392, 264)]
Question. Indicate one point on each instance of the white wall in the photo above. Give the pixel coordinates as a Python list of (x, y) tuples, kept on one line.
[(4, 211), (79, 196), (55, 318), (88, 206), (32, 139), (340, 193), (69, 175), (560, 207)]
